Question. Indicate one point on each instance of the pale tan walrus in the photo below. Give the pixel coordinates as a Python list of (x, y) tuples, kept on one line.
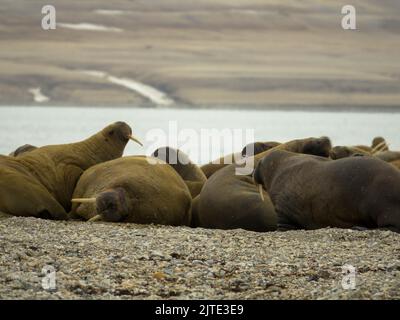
[(135, 189), (40, 183)]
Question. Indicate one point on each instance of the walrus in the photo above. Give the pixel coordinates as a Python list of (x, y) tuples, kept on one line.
[(253, 148), (40, 183), (133, 189), (230, 201), (22, 149), (180, 161), (311, 192), (378, 145)]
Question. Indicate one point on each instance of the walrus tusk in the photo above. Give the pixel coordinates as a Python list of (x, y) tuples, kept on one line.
[(84, 200), (260, 189), (95, 218), (135, 139), (378, 147)]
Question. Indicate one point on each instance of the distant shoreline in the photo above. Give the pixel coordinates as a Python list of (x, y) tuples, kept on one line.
[(252, 107)]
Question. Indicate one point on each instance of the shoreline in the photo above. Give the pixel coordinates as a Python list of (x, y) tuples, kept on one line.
[(243, 108)]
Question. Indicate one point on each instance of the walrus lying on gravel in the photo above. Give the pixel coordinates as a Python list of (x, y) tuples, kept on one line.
[(133, 189), (22, 149), (311, 192), (40, 183), (253, 148), (230, 201), (189, 171)]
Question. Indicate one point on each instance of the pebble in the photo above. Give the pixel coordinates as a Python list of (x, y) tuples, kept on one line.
[(162, 262)]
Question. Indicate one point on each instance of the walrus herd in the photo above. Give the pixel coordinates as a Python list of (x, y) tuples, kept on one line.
[(299, 184)]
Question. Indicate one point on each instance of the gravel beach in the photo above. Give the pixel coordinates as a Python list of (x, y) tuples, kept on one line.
[(128, 261)]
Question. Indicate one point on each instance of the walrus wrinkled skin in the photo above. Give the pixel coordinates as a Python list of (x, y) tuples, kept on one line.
[(40, 183), (311, 192), (22, 149), (189, 171), (254, 148), (133, 189), (230, 201)]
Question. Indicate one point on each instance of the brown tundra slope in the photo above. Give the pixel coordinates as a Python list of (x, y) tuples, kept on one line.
[(250, 53)]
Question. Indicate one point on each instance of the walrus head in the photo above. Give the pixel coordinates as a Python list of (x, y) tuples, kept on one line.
[(171, 156), (111, 205), (259, 147), (120, 133), (317, 146)]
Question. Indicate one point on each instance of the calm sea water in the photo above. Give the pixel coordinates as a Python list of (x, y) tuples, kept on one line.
[(54, 125)]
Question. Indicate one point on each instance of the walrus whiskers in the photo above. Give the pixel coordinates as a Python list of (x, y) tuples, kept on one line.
[(84, 200), (130, 195), (136, 140)]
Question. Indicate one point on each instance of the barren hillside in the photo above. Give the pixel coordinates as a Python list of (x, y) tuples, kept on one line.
[(202, 53)]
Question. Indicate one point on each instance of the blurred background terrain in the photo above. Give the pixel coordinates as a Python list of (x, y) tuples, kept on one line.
[(209, 53)]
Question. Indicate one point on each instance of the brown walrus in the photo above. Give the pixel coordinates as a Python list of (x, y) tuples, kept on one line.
[(40, 183), (136, 189), (22, 149), (378, 145), (189, 171), (312, 192), (251, 149), (229, 201)]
